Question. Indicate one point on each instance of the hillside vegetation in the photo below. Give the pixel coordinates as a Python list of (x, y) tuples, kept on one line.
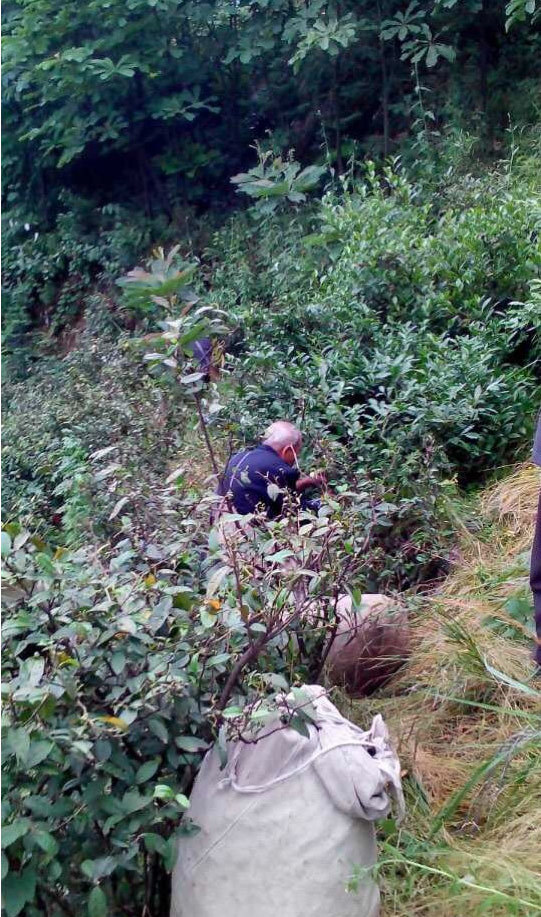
[(398, 324), (345, 198), (466, 717)]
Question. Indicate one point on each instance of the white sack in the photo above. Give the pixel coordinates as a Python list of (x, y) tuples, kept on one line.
[(286, 821)]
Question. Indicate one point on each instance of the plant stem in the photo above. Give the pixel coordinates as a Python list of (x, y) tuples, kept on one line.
[(203, 425)]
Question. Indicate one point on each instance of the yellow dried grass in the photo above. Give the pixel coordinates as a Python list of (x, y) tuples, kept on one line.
[(491, 843), (513, 501)]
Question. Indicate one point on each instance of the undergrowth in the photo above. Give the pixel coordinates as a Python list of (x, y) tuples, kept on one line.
[(466, 717), (399, 327)]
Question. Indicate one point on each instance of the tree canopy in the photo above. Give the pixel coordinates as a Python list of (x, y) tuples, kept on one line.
[(162, 99)]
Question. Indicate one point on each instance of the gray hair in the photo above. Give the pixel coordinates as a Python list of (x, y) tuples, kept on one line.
[(281, 433)]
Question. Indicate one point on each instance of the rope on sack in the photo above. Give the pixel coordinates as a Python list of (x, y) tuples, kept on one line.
[(263, 787), (369, 743)]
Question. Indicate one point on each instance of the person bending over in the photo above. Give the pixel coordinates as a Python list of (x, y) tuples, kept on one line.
[(248, 473)]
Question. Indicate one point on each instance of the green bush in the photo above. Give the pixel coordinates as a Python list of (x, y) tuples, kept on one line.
[(404, 339), (122, 663), (97, 396), (49, 273), (399, 328)]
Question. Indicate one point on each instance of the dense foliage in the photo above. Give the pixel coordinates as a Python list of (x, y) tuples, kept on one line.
[(187, 86), (119, 120), (398, 323), (121, 667)]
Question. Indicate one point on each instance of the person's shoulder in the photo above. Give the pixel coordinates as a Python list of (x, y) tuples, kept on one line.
[(264, 454), (268, 458), (275, 464)]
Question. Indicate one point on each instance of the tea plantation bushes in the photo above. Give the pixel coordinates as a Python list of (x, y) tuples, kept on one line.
[(403, 336), (98, 396), (411, 328), (102, 729), (406, 260), (403, 333), (122, 662)]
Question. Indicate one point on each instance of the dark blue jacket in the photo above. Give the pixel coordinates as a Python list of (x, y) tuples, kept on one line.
[(248, 475)]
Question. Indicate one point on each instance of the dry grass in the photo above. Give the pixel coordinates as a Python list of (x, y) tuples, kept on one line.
[(466, 732), (194, 458), (513, 501)]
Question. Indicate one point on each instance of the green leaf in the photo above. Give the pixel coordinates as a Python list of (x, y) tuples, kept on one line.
[(431, 56), (278, 682), (219, 659), (147, 770), (97, 903), (308, 178), (5, 544), (159, 729), (200, 329), (38, 752), (118, 661), (170, 853), (221, 745), (118, 506), (19, 742), (190, 743), (12, 832), (133, 801), (47, 842), (280, 556), (299, 725), (5, 866), (162, 791), (154, 843), (207, 619), (45, 564), (103, 749), (153, 357), (191, 378), (216, 580), (99, 869), (18, 889), (32, 670), (512, 682), (214, 540), (448, 52)]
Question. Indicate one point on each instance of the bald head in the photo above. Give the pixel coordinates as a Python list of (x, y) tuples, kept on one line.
[(285, 439)]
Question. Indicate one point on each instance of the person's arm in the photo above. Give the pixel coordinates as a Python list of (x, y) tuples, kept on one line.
[(306, 481)]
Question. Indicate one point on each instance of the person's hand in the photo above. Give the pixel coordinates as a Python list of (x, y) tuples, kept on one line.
[(313, 480)]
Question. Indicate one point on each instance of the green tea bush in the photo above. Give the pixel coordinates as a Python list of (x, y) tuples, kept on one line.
[(122, 662), (403, 334), (403, 326), (98, 395)]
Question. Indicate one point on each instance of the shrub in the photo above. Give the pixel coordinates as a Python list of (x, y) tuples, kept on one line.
[(396, 329), (122, 664), (49, 272), (97, 396)]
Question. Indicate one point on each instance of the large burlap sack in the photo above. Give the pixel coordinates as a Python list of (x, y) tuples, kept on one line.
[(369, 645), (284, 824)]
